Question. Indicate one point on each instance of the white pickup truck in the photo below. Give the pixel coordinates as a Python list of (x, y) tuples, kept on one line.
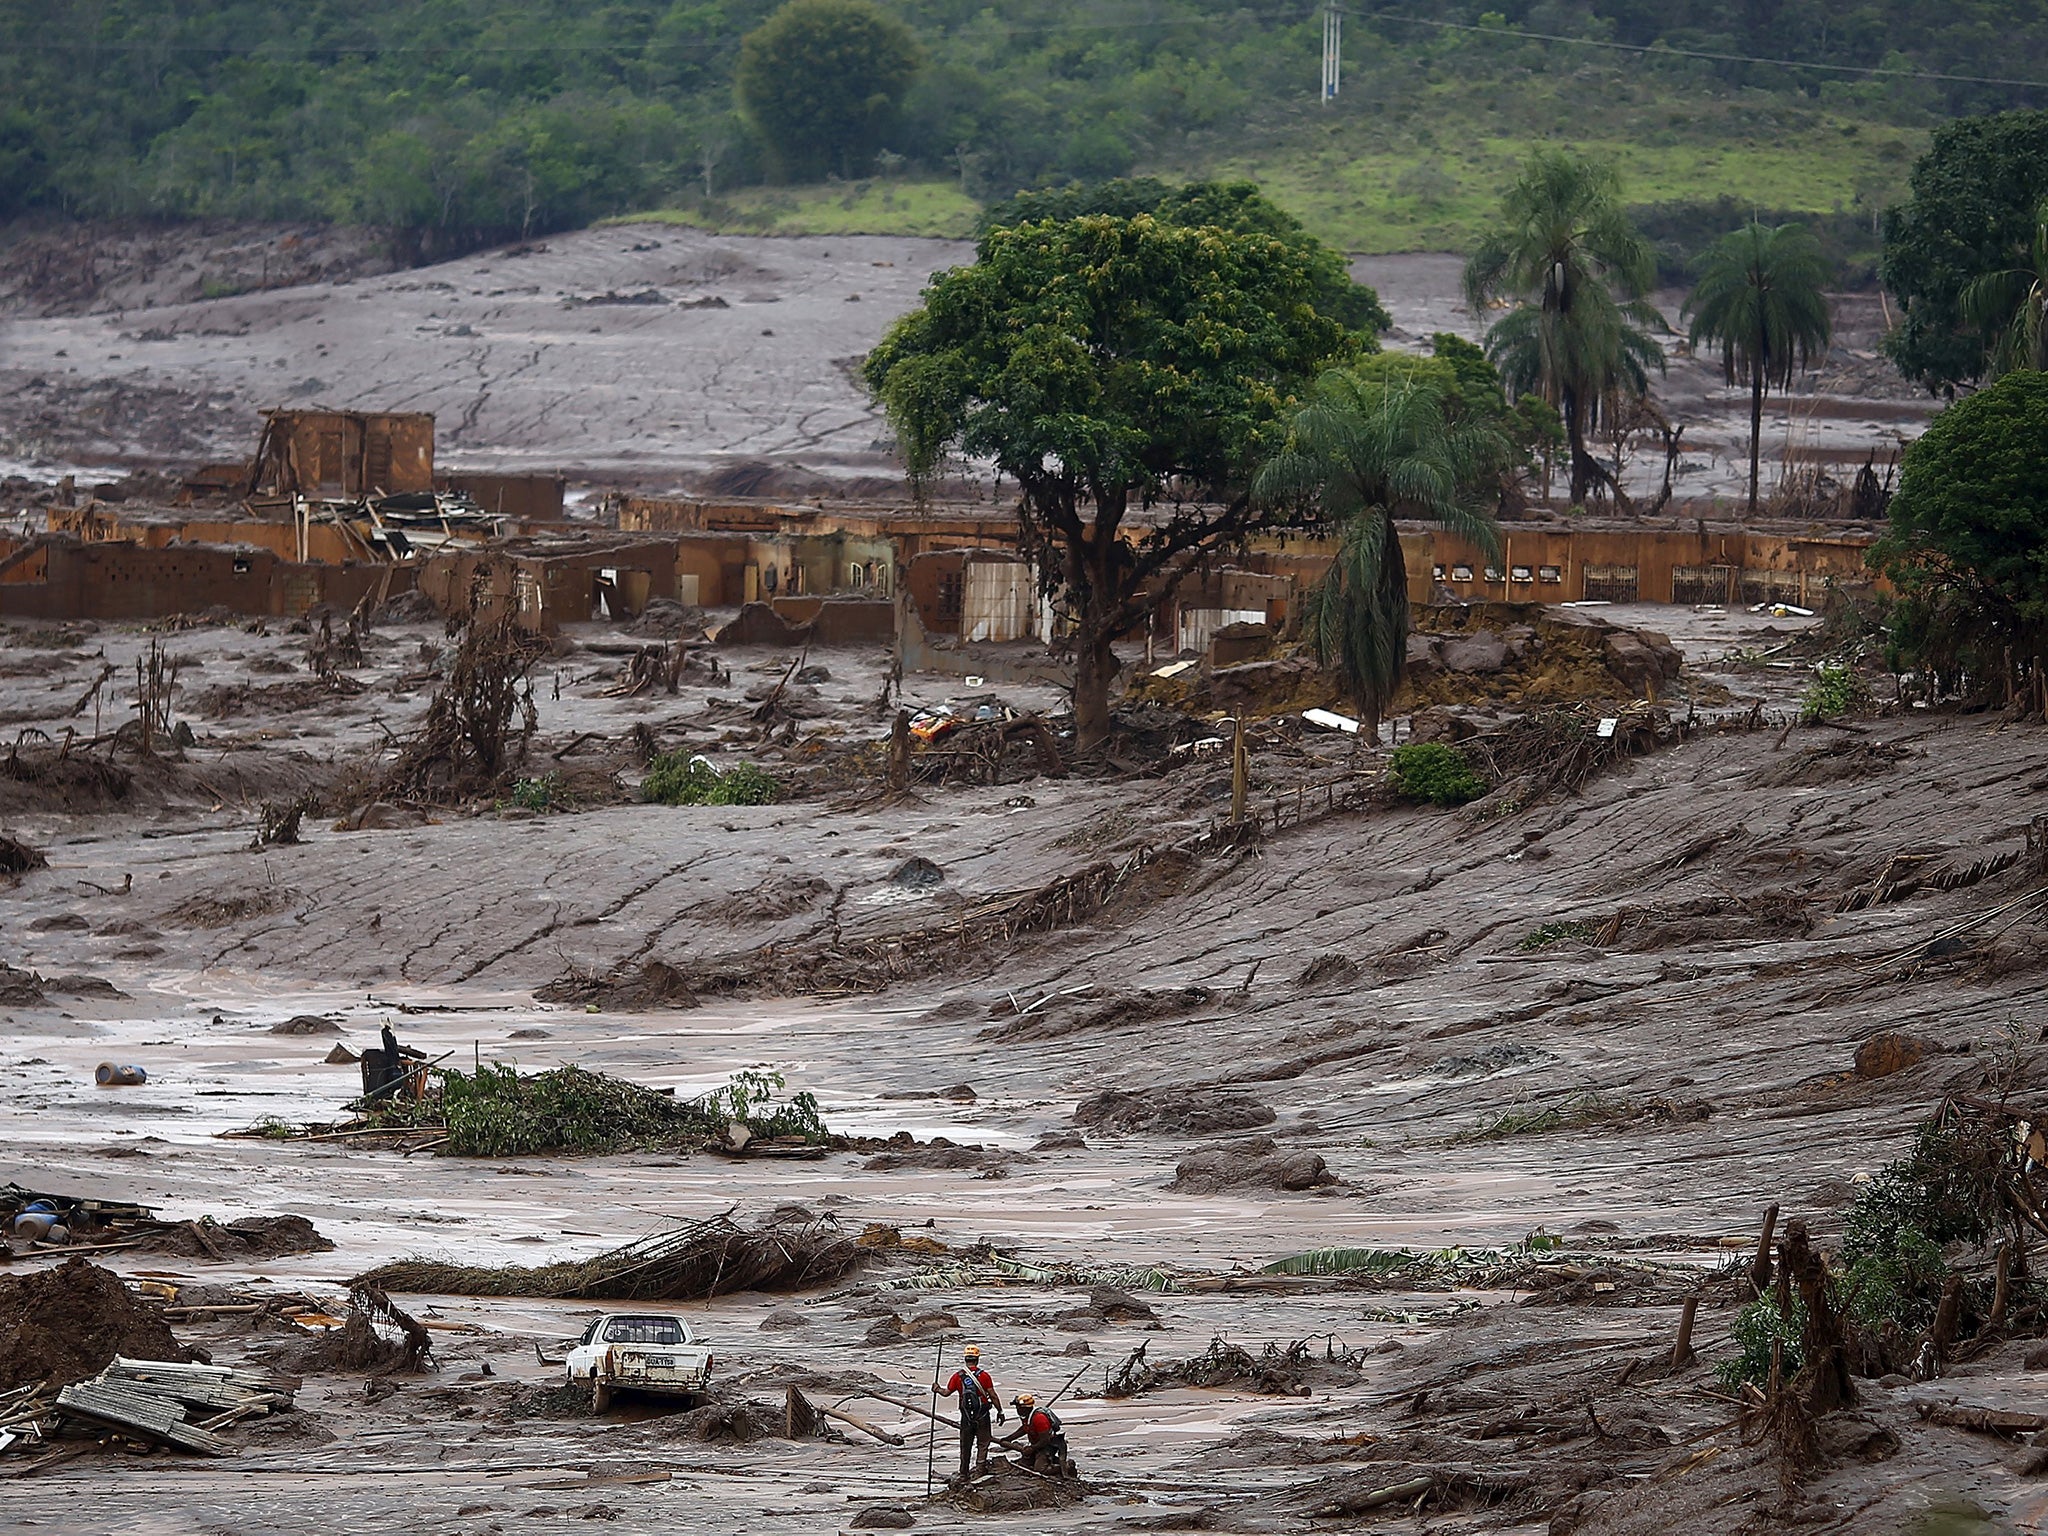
[(639, 1352)]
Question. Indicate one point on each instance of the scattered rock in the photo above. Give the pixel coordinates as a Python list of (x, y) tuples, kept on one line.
[(61, 922), (1892, 1051), (783, 1318), (1480, 651), (1176, 1111), (82, 986), (1328, 971), (341, 1056), (941, 1158), (305, 1024), (535, 1033), (917, 874), (21, 988), (1254, 1163), (381, 816), (1078, 1349), (1641, 658), (959, 1093), (884, 1330), (883, 1517), (1439, 723), (1060, 1141), (1107, 1304)]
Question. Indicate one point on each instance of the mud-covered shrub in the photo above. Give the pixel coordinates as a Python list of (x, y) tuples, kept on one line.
[(1434, 771), (1757, 1327), (677, 778), (1899, 1282), (1944, 1191), (537, 794), (1834, 692)]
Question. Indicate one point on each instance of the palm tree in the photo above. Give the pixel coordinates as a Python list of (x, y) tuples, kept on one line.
[(1368, 448), (1575, 268), (1760, 300), (2011, 303)]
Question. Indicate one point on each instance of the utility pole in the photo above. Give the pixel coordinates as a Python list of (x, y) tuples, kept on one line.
[(1333, 52)]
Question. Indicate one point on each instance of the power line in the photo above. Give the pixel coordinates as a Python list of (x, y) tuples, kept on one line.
[(1660, 50)]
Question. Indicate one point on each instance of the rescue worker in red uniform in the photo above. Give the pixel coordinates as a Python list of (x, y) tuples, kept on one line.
[(1045, 1438), (977, 1393)]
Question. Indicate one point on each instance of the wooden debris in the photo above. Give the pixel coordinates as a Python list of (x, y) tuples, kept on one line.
[(150, 1400)]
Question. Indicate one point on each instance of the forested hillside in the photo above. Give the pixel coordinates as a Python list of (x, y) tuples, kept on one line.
[(460, 120)]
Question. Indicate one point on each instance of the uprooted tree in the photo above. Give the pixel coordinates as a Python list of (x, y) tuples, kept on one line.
[(1127, 373), (477, 728)]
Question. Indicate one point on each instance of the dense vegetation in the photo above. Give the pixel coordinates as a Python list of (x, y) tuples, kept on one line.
[(1107, 364), (456, 120), (1965, 549)]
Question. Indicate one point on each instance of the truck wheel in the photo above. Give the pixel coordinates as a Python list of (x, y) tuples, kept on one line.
[(600, 1395)]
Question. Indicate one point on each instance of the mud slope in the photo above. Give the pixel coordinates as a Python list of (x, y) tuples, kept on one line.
[(613, 351)]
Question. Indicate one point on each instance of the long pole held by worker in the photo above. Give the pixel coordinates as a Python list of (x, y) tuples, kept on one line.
[(931, 1449), (1063, 1391)]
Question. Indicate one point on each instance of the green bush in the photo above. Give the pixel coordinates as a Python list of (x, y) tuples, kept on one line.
[(1835, 692), (746, 1098), (494, 1112), (1757, 1327), (537, 794), (1433, 771), (1900, 1283), (678, 778)]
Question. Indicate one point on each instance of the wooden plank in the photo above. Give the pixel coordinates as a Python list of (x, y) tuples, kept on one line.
[(129, 1410)]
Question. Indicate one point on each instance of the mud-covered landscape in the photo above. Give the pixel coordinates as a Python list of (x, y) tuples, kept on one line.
[(731, 734), (661, 355), (1627, 1017)]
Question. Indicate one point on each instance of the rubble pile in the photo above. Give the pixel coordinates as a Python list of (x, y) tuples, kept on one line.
[(65, 1323), (691, 1263)]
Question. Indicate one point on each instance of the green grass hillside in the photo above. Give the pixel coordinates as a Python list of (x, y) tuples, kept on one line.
[(1414, 166)]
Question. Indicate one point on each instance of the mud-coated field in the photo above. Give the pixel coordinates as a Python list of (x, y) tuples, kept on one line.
[(657, 355), (1392, 997)]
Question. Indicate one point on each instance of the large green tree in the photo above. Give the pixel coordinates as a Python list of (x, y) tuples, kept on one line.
[(1128, 374), (1232, 205), (1968, 544), (822, 82), (1975, 194), (1573, 268), (1389, 439), (1761, 301), (2011, 305)]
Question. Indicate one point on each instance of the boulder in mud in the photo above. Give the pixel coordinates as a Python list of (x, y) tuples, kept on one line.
[(1640, 658), (1482, 651), (1439, 723), (941, 1159), (1172, 1111), (305, 1024), (1892, 1051), (1256, 1162)]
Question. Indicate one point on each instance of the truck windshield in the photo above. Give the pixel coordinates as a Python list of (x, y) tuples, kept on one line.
[(643, 1330)]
